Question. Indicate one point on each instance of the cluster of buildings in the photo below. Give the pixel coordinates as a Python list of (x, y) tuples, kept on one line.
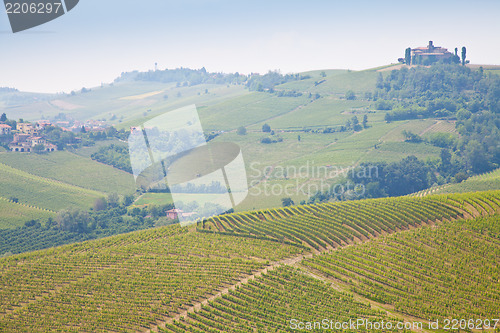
[(429, 54), (27, 136), (176, 213), (76, 126)]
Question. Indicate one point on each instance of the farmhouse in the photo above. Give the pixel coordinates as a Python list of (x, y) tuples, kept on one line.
[(26, 139), (27, 128), (175, 213)]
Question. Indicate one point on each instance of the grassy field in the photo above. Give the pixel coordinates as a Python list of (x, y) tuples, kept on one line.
[(43, 192), (15, 214), (73, 169), (336, 83)]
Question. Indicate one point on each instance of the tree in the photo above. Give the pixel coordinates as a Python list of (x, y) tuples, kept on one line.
[(128, 200), (445, 157), (100, 204), (241, 130), (298, 137), (350, 95), (113, 200), (73, 220), (355, 124), (460, 177), (365, 121), (287, 202), (323, 74), (3, 118), (266, 128), (411, 137), (408, 56), (83, 130), (464, 55)]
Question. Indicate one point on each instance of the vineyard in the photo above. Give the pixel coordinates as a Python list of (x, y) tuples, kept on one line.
[(233, 273), (270, 302), (450, 271), (330, 225), (484, 182), (73, 169), (15, 214), (43, 192), (126, 282)]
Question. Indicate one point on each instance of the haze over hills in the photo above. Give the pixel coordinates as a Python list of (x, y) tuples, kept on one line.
[(390, 131)]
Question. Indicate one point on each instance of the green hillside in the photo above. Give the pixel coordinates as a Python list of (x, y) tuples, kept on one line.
[(15, 214), (158, 277), (447, 271), (43, 192), (319, 105), (72, 169), (483, 182)]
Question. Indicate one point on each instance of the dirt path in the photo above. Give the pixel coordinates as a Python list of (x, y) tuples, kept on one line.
[(197, 305), (295, 261)]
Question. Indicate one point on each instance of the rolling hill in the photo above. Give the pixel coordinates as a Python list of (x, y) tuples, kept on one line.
[(43, 192), (223, 108), (227, 273)]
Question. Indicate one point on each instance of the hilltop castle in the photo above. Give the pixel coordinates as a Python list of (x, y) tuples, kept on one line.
[(427, 55)]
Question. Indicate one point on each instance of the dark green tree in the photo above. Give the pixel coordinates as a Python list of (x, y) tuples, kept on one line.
[(266, 128), (464, 55), (350, 95), (128, 200), (408, 56), (100, 204), (3, 117), (365, 121), (241, 130), (287, 202), (113, 200)]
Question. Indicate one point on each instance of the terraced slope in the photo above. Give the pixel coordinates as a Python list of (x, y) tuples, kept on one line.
[(485, 182), (73, 169), (126, 282), (330, 225), (145, 280), (275, 302), (448, 271), (14, 214), (43, 192)]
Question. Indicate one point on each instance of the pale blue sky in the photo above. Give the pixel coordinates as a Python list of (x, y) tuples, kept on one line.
[(99, 39)]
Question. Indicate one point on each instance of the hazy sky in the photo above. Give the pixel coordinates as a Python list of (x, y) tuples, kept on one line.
[(99, 39)]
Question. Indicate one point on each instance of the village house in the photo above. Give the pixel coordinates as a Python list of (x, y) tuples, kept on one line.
[(27, 137), (5, 129), (175, 213)]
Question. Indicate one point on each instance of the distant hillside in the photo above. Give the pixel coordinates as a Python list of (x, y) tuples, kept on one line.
[(483, 182), (15, 214)]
